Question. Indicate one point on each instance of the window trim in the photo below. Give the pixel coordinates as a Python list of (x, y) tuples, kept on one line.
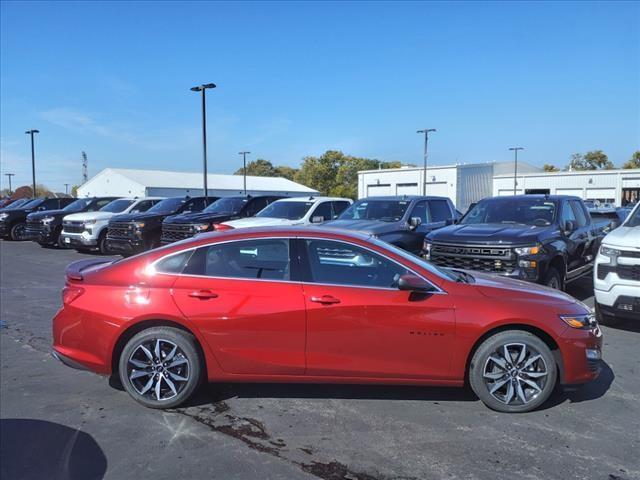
[(295, 260)]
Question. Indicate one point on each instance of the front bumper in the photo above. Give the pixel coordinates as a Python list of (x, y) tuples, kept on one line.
[(78, 240), (4, 229), (617, 295), (581, 352), (40, 233), (125, 245)]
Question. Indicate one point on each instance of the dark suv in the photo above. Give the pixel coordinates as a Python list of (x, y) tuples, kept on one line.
[(401, 221), (46, 227), (184, 226), (133, 233), (13, 220)]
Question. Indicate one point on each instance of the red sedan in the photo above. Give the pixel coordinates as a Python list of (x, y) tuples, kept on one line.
[(317, 305)]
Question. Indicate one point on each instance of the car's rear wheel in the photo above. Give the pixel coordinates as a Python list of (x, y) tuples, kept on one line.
[(18, 231), (161, 367), (513, 371)]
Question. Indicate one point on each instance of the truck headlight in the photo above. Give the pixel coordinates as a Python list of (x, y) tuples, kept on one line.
[(201, 227), (426, 246), (585, 321), (609, 252), (89, 223), (3, 216), (138, 225), (47, 220), (526, 251)]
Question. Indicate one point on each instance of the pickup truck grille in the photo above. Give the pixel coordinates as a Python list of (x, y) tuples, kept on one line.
[(73, 227), (34, 227), (119, 230), (629, 254), (625, 272), (496, 259), (173, 233)]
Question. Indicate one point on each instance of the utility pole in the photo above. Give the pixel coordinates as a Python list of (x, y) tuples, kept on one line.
[(66, 189), (85, 168), (203, 88), (9, 175), (33, 160), (515, 168), (244, 169), (426, 141)]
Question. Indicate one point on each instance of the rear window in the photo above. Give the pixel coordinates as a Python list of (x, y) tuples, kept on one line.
[(173, 263)]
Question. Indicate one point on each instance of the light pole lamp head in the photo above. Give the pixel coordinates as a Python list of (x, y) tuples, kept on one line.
[(426, 130), (515, 149), (199, 88), (244, 153), (29, 132)]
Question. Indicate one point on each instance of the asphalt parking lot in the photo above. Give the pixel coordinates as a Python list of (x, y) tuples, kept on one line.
[(56, 422)]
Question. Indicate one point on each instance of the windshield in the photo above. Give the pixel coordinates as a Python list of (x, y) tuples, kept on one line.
[(226, 205), (524, 211), (33, 203), (168, 205), (288, 210), (384, 210), (18, 203), (116, 206), (78, 204), (633, 220)]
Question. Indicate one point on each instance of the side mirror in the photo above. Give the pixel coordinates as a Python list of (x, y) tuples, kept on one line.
[(414, 222), (450, 221), (569, 226), (317, 219), (413, 283), (41, 209)]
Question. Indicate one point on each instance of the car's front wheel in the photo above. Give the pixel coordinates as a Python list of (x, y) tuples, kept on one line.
[(161, 367), (513, 371)]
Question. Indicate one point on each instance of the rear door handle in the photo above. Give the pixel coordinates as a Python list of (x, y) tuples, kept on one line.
[(325, 299), (203, 294)]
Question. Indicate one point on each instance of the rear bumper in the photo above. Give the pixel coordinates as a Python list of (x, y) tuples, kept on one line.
[(69, 362)]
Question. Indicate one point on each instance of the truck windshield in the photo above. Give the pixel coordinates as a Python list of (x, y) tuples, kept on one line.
[(288, 210), (116, 206), (538, 212), (384, 210), (32, 203), (633, 220), (226, 205), (168, 205), (77, 205)]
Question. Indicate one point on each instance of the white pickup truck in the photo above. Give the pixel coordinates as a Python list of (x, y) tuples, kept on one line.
[(294, 211), (616, 278), (88, 230)]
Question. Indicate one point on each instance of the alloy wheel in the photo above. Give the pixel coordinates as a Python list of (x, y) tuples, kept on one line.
[(515, 374), (158, 369)]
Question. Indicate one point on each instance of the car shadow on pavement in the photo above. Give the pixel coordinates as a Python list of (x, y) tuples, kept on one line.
[(583, 393), (626, 325), (36, 449)]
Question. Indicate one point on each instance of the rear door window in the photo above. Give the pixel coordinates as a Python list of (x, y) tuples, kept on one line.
[(338, 208), (579, 213), (323, 210), (421, 211), (439, 210)]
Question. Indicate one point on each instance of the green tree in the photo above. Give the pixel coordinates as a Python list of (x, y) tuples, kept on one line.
[(550, 168), (286, 172), (597, 160), (74, 191), (258, 168), (634, 161), (576, 163)]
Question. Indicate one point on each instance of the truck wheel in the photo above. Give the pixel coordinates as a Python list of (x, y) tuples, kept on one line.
[(553, 279), (513, 372), (605, 319), (102, 243), (17, 231)]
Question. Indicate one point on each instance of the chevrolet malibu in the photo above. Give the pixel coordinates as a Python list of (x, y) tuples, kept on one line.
[(320, 306)]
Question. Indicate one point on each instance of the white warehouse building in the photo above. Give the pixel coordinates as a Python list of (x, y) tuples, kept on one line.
[(612, 186), (123, 182), (463, 184)]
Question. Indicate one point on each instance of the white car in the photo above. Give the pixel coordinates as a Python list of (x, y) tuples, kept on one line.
[(88, 230), (616, 278), (295, 211)]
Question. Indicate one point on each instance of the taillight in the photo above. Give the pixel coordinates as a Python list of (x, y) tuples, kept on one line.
[(220, 227), (70, 293)]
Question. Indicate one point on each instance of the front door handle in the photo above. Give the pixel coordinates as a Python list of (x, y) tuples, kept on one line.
[(203, 294), (325, 299)]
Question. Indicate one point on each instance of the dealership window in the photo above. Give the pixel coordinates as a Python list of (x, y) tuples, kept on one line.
[(265, 259), (340, 263)]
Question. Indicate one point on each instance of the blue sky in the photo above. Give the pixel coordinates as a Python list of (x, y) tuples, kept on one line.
[(296, 79)]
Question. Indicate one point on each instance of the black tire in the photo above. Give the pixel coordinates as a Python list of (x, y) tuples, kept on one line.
[(507, 397), (192, 369), (17, 231), (553, 279), (605, 319), (102, 243)]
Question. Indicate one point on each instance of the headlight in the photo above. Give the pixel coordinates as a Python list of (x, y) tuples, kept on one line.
[(138, 224), (609, 252), (48, 219), (427, 249), (585, 321), (526, 251), (201, 227), (89, 223), (3, 216)]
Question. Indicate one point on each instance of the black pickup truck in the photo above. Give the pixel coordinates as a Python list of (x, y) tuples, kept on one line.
[(46, 227), (13, 221), (402, 221), (187, 225), (133, 233), (545, 239)]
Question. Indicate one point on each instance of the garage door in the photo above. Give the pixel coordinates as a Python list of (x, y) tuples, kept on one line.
[(379, 190), (407, 189), (569, 191), (596, 193), (438, 189)]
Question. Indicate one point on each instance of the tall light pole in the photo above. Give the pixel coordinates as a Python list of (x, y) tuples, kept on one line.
[(244, 169), (66, 189), (33, 160), (9, 175), (515, 168), (426, 141), (203, 88)]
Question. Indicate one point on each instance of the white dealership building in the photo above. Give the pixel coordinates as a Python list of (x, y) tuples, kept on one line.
[(124, 182), (468, 183)]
